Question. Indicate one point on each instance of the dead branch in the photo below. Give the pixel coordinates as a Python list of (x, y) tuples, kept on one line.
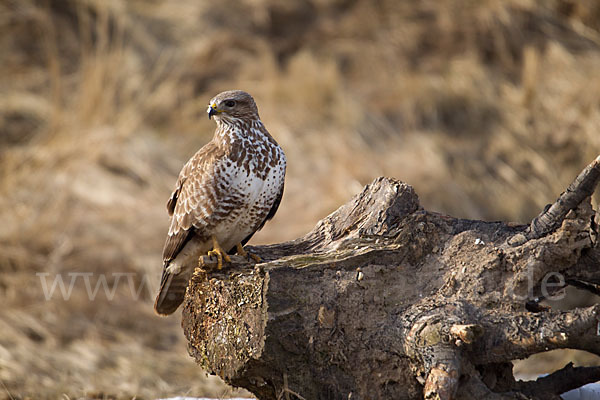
[(583, 186), (386, 300), (561, 381)]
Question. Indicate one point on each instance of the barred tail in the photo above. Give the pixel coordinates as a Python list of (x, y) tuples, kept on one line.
[(171, 293)]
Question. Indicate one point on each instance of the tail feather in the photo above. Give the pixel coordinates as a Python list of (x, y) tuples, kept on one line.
[(171, 293)]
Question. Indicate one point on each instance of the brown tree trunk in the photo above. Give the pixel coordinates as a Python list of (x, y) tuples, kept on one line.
[(385, 300)]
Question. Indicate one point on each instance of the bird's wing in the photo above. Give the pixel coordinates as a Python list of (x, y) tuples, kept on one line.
[(188, 204), (192, 208)]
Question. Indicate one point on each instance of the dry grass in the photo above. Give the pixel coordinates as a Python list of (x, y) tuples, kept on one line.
[(488, 108)]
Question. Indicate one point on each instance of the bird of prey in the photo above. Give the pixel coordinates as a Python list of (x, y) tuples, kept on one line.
[(224, 194)]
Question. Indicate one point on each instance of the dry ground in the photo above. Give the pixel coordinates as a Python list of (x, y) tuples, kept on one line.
[(488, 108)]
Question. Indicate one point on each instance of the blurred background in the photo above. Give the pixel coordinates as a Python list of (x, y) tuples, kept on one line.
[(489, 108)]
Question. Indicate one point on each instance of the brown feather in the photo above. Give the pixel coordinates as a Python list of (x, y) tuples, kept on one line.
[(184, 201), (175, 243), (171, 293), (219, 192)]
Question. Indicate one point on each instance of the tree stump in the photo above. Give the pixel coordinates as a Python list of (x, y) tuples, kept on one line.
[(385, 300)]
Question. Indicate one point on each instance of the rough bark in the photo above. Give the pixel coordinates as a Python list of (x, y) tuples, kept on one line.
[(385, 300)]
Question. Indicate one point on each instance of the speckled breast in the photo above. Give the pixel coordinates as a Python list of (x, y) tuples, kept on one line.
[(256, 175)]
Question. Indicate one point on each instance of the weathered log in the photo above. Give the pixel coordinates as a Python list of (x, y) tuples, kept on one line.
[(385, 300)]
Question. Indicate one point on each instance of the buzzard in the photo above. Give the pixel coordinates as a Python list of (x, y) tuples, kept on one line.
[(224, 194)]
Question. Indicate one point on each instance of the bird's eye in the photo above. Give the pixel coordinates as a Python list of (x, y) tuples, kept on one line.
[(229, 103)]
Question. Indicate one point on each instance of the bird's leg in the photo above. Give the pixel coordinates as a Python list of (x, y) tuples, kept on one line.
[(219, 252), (242, 252)]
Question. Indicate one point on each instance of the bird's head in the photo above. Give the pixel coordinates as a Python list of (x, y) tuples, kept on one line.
[(232, 105)]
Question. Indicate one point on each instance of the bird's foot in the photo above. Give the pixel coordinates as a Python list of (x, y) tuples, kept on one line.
[(219, 253), (220, 257), (242, 252)]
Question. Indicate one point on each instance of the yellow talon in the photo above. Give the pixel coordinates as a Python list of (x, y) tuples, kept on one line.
[(242, 252), (218, 251)]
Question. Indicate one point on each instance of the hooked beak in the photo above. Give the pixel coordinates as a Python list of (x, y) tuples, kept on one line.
[(212, 110)]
